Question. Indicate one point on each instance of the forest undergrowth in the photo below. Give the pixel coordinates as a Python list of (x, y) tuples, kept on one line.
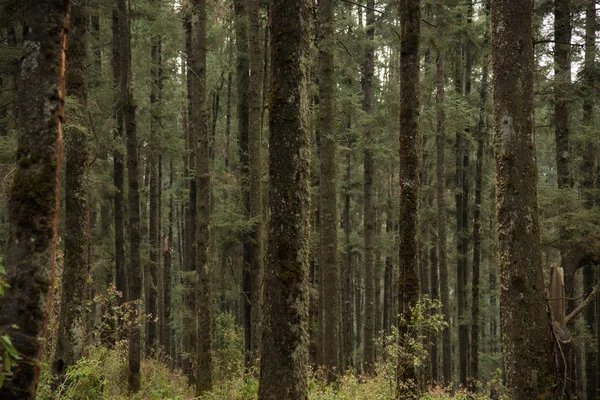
[(102, 375)]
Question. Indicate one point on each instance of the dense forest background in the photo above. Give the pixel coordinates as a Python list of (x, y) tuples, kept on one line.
[(177, 149)]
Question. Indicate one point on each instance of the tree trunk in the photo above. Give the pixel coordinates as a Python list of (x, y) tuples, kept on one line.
[(329, 217), (34, 197), (348, 288), (368, 202), (255, 106), (72, 326), (133, 200), (188, 342), (441, 205), (118, 163), (167, 282), (243, 114), (199, 123), (525, 332), (481, 134), (592, 311), (408, 280), (283, 363), (154, 238)]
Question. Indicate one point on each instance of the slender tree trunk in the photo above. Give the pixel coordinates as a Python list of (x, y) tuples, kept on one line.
[(441, 203), (199, 123), (329, 217), (133, 200), (255, 106), (348, 288), (592, 312), (408, 280), (167, 282), (526, 337), (283, 372), (34, 197), (72, 326), (368, 202), (243, 111), (188, 342), (481, 134), (118, 163), (462, 206), (154, 238)]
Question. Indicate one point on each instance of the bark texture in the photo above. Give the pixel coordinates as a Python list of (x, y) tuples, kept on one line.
[(134, 272), (199, 123), (369, 214), (35, 192), (329, 215), (72, 324), (441, 208), (408, 280), (285, 341), (526, 336)]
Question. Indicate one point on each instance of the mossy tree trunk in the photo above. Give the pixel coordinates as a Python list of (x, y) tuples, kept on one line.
[(188, 342), (199, 124), (329, 216), (408, 280), (592, 312), (133, 195), (481, 134), (255, 106), (526, 337), (347, 273), (35, 192), (72, 324), (283, 372), (369, 216), (118, 160)]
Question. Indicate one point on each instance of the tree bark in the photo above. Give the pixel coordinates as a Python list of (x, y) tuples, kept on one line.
[(408, 280), (255, 106), (188, 341), (199, 123), (283, 363), (133, 196), (329, 217), (368, 73), (34, 197), (347, 273), (441, 203), (481, 133), (153, 232), (526, 337), (592, 312), (72, 325)]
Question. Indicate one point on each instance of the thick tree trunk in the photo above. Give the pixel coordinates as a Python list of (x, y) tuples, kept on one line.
[(199, 123), (525, 329), (283, 363), (243, 115), (408, 280), (133, 200), (35, 193), (368, 73), (329, 216), (72, 326)]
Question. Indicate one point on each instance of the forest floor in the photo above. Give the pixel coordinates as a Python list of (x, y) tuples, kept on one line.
[(102, 375)]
